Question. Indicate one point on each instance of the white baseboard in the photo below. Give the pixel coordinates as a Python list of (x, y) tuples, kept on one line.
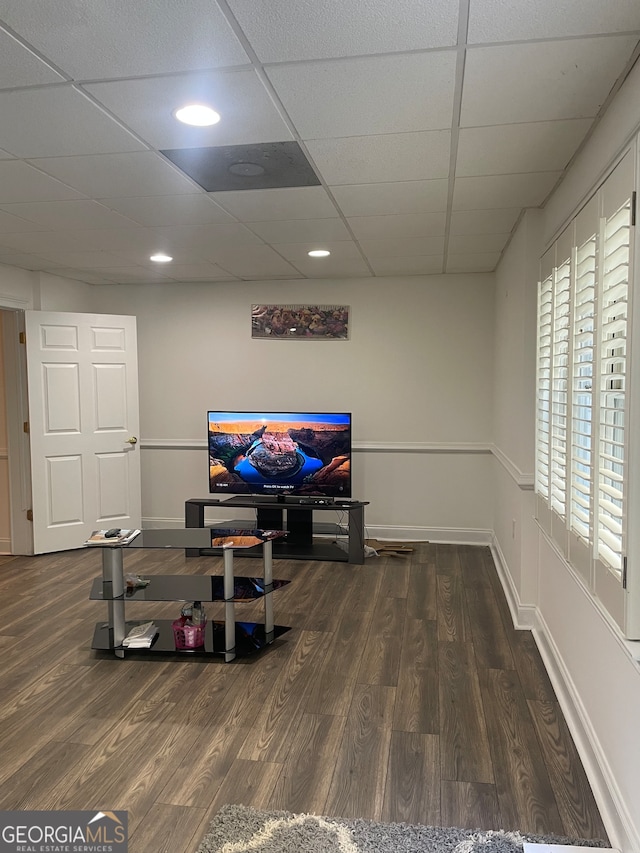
[(442, 535), (613, 811), (523, 616), (614, 814), (160, 523)]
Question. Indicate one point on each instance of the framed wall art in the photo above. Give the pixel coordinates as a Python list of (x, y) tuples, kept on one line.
[(300, 322)]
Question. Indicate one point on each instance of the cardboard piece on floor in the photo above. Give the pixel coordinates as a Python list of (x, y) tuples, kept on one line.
[(391, 548)]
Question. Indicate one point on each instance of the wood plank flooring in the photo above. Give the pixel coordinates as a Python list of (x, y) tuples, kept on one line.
[(402, 693)]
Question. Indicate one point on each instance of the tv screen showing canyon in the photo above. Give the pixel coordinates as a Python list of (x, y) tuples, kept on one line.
[(279, 453)]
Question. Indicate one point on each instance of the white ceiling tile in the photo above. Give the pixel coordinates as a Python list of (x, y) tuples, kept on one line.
[(334, 268), (10, 224), (86, 107), (142, 257), (503, 190), (20, 182), (476, 243), (166, 210), (401, 247), (87, 260), (392, 198), (484, 221), (198, 272), (120, 39), (41, 242), (482, 262), (20, 66), (143, 240), (511, 83), (281, 203), (301, 230), (250, 261), (87, 276), (248, 113), (208, 236), (372, 95), (296, 276), (139, 173), (134, 275), (74, 125), (407, 265), (311, 29), (511, 148), (387, 158), (24, 261), (61, 215), (345, 250), (408, 225), (539, 19)]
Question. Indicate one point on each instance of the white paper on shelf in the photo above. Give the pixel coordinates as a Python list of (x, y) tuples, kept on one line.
[(140, 636), (125, 536)]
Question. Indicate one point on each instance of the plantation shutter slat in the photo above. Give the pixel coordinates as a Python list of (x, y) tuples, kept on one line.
[(616, 250), (582, 387), (543, 412), (559, 385)]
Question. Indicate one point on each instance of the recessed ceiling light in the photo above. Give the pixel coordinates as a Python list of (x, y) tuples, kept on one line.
[(198, 115), (246, 170), (161, 258), (318, 253)]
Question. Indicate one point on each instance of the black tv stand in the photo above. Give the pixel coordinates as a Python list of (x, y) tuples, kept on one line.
[(297, 519)]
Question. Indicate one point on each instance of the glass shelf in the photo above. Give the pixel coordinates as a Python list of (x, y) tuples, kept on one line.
[(250, 638), (189, 588)]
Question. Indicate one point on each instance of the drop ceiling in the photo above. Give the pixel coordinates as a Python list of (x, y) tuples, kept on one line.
[(424, 127)]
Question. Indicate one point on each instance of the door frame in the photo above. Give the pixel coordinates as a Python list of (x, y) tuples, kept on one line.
[(18, 448)]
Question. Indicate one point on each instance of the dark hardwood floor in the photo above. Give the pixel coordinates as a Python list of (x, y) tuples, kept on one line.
[(402, 693)]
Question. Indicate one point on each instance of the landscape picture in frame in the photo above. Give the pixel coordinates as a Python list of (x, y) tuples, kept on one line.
[(300, 322)]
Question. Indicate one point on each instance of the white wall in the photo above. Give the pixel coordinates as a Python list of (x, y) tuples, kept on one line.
[(25, 289), (595, 676), (62, 294), (415, 373), (17, 287)]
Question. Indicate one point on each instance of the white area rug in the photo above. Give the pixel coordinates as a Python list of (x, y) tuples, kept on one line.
[(238, 829)]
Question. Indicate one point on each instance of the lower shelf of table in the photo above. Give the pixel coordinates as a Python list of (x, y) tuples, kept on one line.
[(250, 638)]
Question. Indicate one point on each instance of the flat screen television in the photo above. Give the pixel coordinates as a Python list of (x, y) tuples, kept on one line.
[(280, 453)]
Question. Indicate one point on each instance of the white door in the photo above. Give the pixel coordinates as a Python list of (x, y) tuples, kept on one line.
[(82, 372)]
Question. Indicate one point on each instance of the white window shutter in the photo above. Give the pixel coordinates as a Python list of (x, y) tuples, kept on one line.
[(543, 414), (559, 385), (584, 306), (612, 370), (583, 487)]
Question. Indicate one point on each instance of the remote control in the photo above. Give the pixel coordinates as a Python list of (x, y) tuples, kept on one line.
[(112, 533)]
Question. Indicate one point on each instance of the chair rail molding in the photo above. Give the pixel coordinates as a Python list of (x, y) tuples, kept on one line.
[(358, 446), (524, 480)]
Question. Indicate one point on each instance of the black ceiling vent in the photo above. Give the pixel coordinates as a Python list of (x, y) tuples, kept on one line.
[(245, 167)]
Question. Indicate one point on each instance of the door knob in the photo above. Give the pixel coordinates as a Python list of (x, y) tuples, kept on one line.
[(132, 440)]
